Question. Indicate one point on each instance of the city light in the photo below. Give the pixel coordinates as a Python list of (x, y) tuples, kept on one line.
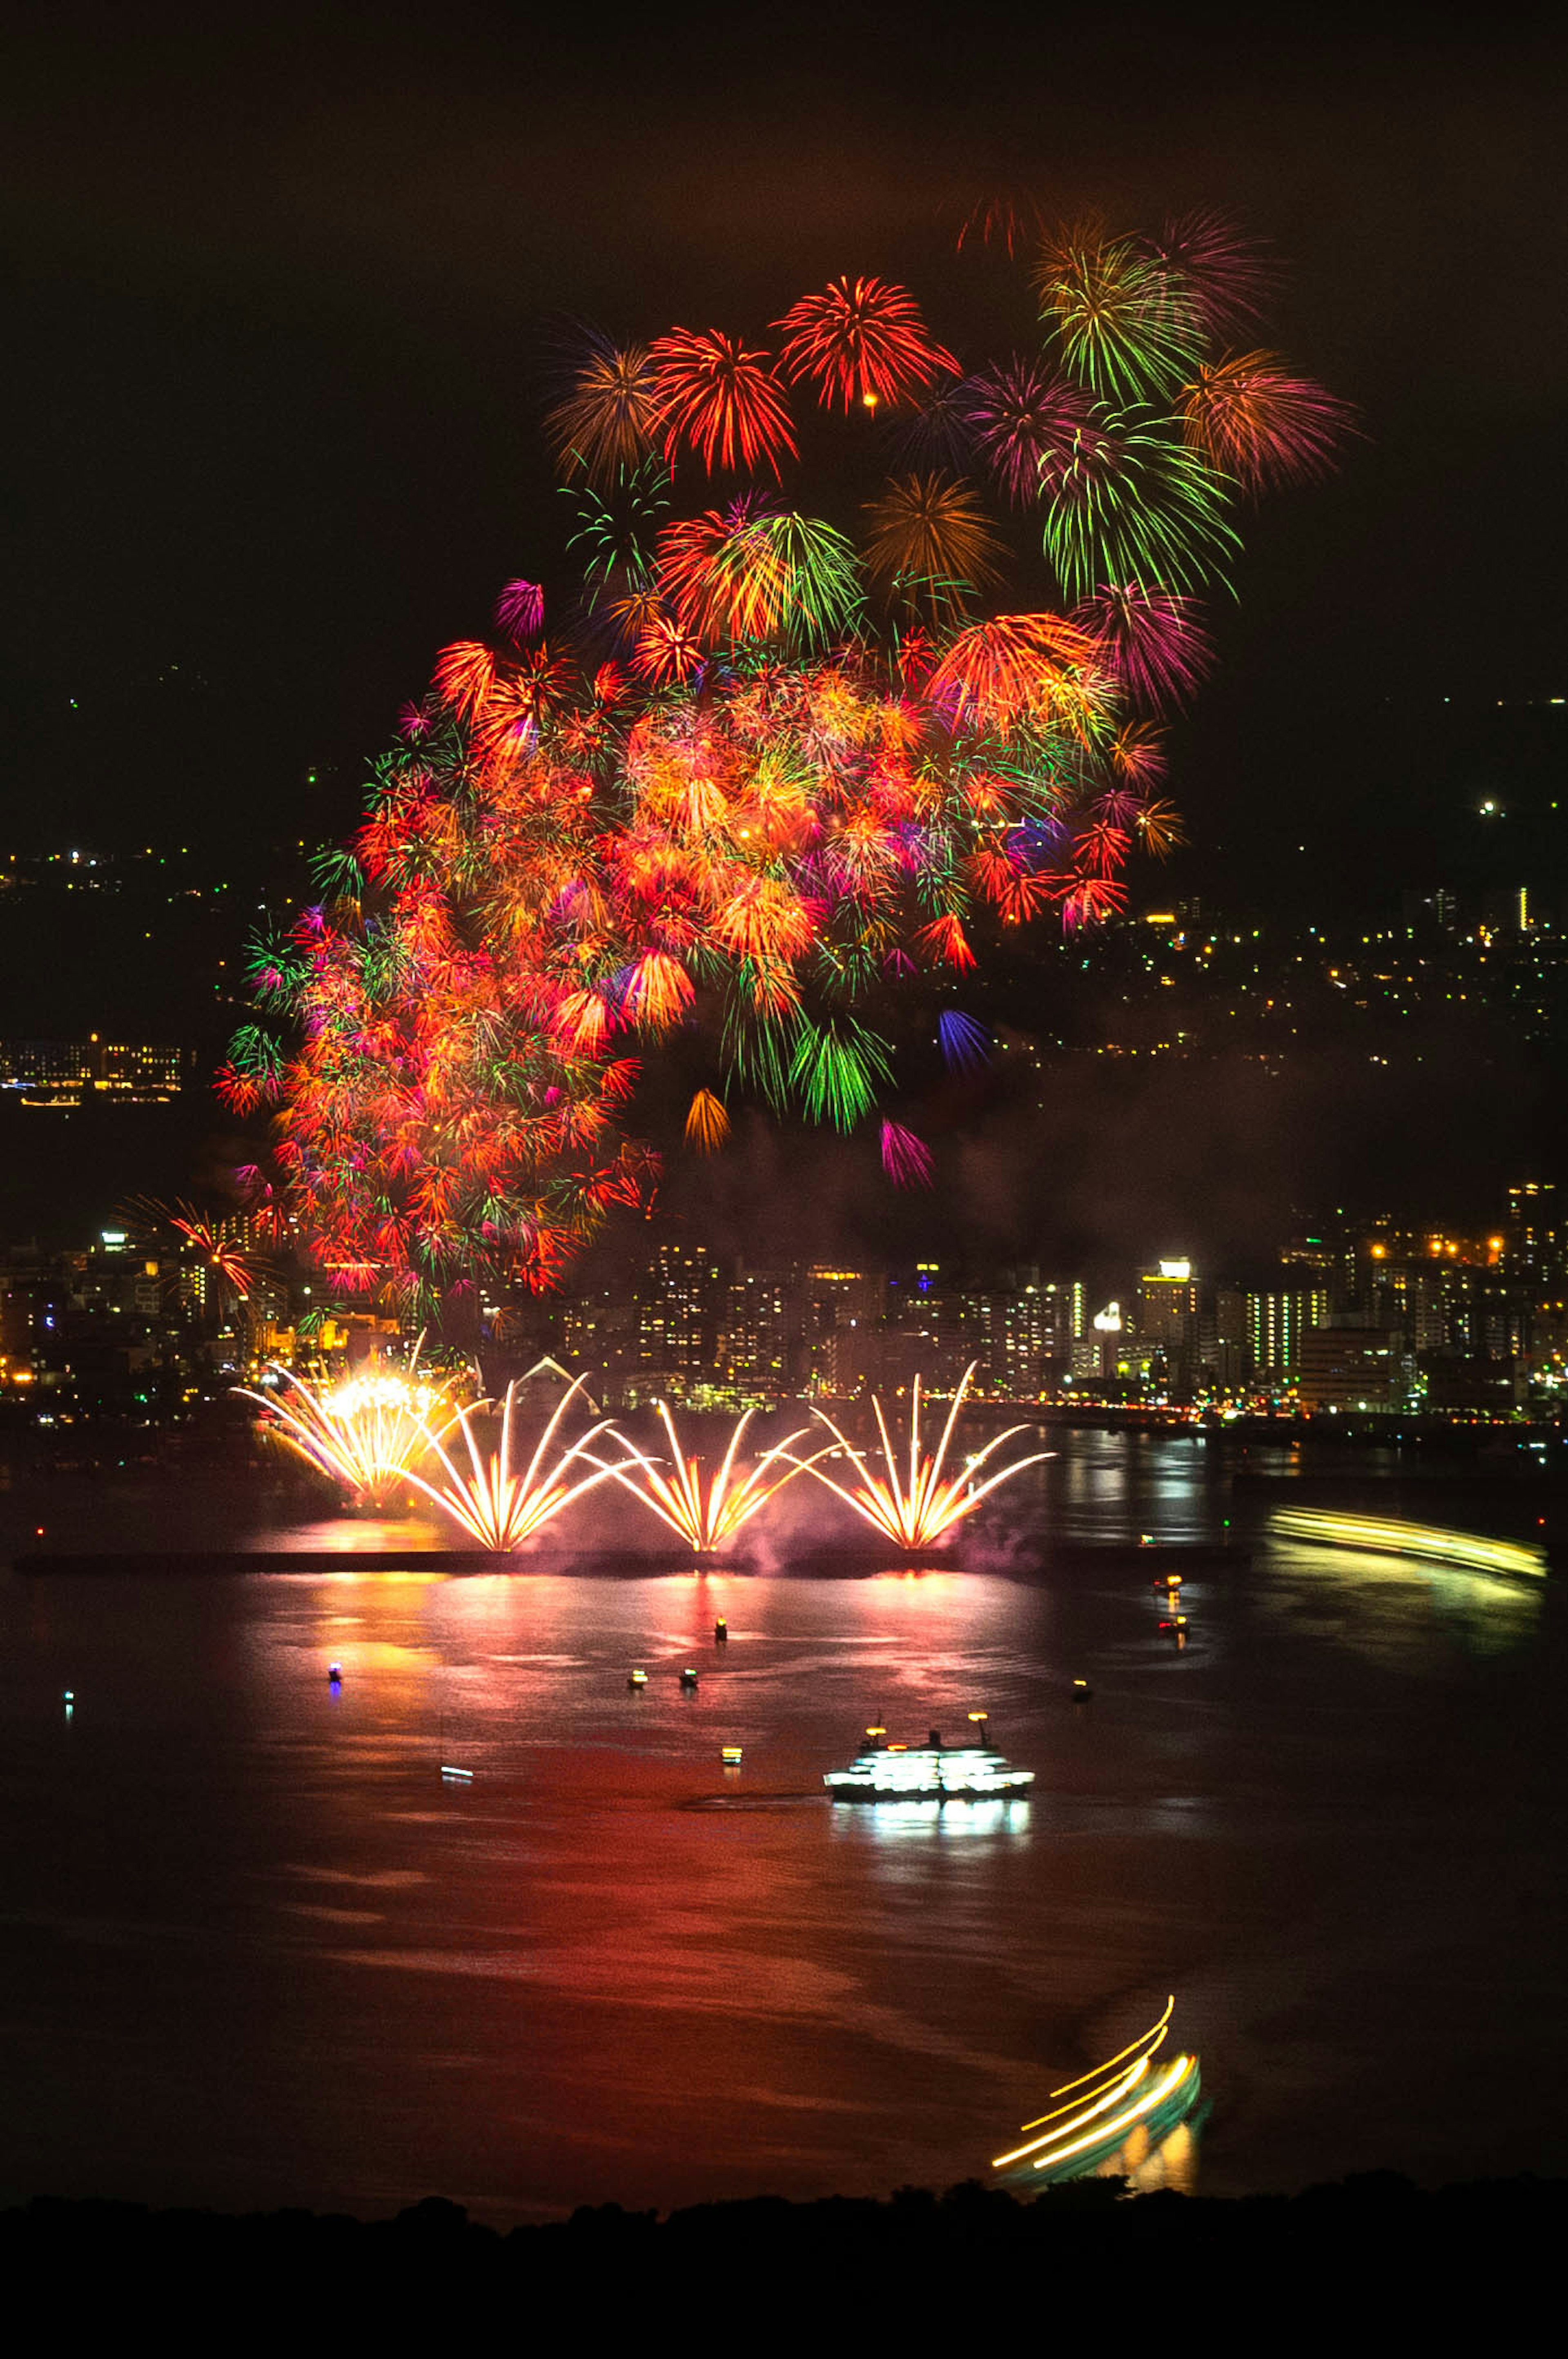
[(915, 1512)]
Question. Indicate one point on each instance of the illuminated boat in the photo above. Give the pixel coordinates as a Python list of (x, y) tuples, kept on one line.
[(1134, 2094), (932, 1772)]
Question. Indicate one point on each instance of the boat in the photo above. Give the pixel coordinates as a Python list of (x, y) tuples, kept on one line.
[(1134, 2093), (932, 1772)]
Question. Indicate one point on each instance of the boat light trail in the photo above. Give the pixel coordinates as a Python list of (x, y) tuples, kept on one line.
[(1428, 1542), (1091, 2125), (915, 1513)]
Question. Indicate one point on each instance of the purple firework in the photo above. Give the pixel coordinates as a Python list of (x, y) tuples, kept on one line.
[(520, 609), (966, 1045), (906, 1159)]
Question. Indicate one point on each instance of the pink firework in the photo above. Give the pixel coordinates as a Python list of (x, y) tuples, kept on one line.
[(906, 1159), (519, 609), (1153, 640)]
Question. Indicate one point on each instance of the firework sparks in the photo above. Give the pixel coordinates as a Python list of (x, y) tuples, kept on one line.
[(785, 792), (497, 1509), (862, 341), (707, 1516), (719, 400), (366, 1432), (916, 1511)]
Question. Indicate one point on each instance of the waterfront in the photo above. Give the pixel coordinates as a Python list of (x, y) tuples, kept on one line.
[(258, 1953)]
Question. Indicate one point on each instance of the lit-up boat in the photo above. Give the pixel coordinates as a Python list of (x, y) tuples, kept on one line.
[(1135, 2094), (932, 1772)]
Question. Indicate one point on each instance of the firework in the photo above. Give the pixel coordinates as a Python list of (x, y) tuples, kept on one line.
[(1152, 639), (787, 802), (906, 1159), (1127, 500), (916, 1511), (707, 1516), (519, 609), (719, 400), (966, 1045), (499, 1509), (234, 1268), (1250, 416), (607, 422), (707, 1124), (366, 1432), (1126, 322), (929, 535), (1016, 413), (862, 341)]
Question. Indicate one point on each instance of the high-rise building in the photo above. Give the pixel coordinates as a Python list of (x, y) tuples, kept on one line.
[(1350, 1367)]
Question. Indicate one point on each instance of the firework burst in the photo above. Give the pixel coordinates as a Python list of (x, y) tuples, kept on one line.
[(917, 1508), (366, 1432), (706, 1515), (497, 1509), (818, 779)]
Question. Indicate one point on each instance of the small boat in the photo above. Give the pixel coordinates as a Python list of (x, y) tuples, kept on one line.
[(926, 1773), (689, 1677), (636, 1681)]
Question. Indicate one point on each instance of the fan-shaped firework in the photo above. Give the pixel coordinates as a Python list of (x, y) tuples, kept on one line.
[(707, 1515), (775, 821), (496, 1508), (862, 341), (717, 398), (367, 1431), (916, 1511), (906, 1159), (707, 1124), (966, 1045)]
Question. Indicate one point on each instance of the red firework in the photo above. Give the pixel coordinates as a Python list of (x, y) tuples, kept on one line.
[(711, 394), (862, 341)]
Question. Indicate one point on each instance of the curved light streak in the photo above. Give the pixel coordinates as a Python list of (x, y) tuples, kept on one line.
[(914, 1512), (367, 1432), (1429, 1541), (1092, 2124)]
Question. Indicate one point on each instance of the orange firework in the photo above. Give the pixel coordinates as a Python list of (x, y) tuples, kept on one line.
[(917, 1511), (706, 1515)]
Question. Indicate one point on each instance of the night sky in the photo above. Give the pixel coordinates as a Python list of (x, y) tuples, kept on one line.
[(279, 328), (278, 335)]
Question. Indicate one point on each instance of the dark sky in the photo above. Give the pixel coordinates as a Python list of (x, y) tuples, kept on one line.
[(275, 331)]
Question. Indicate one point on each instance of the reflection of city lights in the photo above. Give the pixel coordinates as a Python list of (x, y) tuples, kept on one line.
[(1426, 1541), (916, 1515)]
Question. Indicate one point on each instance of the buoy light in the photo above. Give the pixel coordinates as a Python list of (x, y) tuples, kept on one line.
[(730, 1756), (638, 1679)]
